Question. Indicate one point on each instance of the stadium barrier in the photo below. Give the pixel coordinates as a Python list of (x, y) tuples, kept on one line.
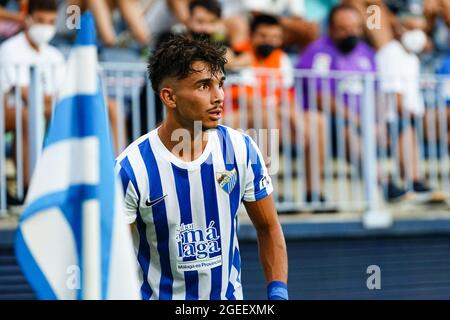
[(301, 127)]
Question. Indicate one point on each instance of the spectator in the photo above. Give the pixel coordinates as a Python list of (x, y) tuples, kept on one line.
[(271, 65), (131, 12), (297, 31), (388, 27), (342, 50), (21, 51), (204, 19), (399, 69)]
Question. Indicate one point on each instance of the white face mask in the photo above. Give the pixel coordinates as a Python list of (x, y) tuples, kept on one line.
[(414, 40), (41, 33)]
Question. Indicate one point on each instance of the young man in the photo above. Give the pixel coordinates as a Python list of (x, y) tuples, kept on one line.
[(182, 197), (339, 50), (17, 54)]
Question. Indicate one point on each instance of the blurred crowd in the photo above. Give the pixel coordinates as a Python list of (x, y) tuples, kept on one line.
[(397, 39)]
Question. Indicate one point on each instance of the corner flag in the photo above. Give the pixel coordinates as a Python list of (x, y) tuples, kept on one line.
[(72, 242)]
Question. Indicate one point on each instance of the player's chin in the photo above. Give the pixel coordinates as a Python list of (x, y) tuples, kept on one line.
[(210, 124)]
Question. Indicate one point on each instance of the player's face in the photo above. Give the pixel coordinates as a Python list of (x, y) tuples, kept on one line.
[(199, 97)]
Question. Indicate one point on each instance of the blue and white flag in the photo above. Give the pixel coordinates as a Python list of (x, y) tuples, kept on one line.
[(72, 241)]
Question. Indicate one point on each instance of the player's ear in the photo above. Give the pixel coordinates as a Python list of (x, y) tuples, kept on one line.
[(168, 97)]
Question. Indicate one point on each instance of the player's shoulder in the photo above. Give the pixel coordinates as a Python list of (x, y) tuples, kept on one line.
[(242, 142), (133, 147), (235, 135)]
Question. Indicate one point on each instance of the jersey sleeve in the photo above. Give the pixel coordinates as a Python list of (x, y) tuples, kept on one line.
[(258, 184), (131, 197)]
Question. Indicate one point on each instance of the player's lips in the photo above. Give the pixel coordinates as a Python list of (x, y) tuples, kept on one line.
[(215, 114)]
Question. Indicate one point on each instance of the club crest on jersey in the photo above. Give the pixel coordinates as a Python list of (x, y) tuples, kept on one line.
[(227, 180)]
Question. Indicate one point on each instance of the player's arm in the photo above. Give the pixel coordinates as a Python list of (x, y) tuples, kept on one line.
[(130, 196), (271, 244)]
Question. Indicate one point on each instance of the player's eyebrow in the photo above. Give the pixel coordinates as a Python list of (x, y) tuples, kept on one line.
[(208, 80)]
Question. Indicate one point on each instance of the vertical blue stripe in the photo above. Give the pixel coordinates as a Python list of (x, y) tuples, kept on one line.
[(124, 180), (212, 215), (235, 200), (159, 220), (237, 261), (183, 189), (129, 173), (143, 257), (257, 169)]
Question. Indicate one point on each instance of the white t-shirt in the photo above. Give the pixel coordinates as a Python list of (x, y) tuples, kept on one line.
[(16, 57), (399, 72)]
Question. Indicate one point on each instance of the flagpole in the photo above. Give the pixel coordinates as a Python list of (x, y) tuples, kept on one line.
[(91, 275)]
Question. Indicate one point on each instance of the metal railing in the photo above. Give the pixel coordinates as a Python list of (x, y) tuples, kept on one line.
[(312, 143)]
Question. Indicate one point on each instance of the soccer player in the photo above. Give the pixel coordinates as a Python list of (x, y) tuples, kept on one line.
[(185, 181)]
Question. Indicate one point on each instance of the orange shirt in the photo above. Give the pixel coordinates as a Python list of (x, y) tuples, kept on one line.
[(267, 83)]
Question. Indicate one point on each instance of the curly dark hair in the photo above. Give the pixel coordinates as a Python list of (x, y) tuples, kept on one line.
[(174, 59)]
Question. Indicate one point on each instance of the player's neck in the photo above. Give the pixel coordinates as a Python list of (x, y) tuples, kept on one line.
[(187, 144)]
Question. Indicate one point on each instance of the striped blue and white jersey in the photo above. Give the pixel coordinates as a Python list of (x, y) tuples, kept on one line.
[(186, 213)]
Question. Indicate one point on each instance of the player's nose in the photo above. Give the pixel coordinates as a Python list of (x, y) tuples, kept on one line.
[(217, 95)]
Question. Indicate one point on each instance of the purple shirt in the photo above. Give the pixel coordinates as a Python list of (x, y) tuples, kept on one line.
[(322, 56)]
